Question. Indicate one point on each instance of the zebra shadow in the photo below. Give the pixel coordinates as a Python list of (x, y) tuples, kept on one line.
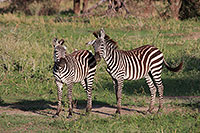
[(176, 88), (48, 108), (102, 108), (172, 87), (33, 106), (132, 87)]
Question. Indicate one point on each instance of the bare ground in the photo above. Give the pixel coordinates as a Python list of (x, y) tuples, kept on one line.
[(181, 104), (191, 36)]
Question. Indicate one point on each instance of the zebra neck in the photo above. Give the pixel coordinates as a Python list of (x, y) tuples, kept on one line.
[(109, 55), (62, 63), (109, 48)]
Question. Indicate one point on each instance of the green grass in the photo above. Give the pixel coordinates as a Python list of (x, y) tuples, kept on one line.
[(26, 61), (172, 122)]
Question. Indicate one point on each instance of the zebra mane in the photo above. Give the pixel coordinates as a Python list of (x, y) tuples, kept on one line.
[(111, 42)]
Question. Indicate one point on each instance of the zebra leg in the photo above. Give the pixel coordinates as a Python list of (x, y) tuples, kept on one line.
[(153, 92), (118, 84), (59, 108), (88, 89), (89, 96), (89, 83), (118, 91), (156, 75), (69, 94), (159, 84)]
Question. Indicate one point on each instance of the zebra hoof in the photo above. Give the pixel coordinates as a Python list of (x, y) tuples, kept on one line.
[(160, 110), (117, 112), (69, 116), (87, 113), (149, 111), (55, 116), (88, 110)]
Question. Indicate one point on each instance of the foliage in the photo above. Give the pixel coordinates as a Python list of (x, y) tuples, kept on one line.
[(190, 9), (34, 7), (165, 9)]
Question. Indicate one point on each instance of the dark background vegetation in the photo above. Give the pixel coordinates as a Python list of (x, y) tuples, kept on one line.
[(178, 9)]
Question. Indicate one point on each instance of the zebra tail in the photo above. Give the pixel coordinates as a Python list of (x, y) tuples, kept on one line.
[(176, 69)]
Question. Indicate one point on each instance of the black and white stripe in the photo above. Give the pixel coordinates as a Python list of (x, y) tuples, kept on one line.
[(79, 66), (145, 61)]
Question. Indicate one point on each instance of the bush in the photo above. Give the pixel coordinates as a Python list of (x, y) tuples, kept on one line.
[(189, 9), (35, 7)]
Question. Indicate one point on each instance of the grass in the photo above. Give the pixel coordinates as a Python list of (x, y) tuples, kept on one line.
[(172, 122), (26, 79)]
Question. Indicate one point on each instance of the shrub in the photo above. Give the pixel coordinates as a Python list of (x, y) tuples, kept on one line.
[(35, 7), (189, 9)]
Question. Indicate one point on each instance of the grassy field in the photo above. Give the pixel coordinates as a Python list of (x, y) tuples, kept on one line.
[(26, 79), (173, 122)]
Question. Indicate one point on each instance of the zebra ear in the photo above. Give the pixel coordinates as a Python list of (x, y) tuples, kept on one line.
[(90, 42), (55, 41), (61, 42), (102, 33), (95, 34)]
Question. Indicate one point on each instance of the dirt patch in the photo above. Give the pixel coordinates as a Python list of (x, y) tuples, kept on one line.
[(171, 104), (11, 111), (191, 36)]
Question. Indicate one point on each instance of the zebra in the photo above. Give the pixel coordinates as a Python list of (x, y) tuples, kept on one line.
[(79, 66), (145, 61)]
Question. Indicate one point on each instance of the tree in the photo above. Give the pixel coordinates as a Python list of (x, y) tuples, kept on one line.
[(77, 6), (175, 6), (189, 9), (85, 6), (118, 5)]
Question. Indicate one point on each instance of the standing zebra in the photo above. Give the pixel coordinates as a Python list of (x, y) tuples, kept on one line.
[(79, 66), (145, 61)]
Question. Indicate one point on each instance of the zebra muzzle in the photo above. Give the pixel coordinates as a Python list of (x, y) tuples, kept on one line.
[(97, 56)]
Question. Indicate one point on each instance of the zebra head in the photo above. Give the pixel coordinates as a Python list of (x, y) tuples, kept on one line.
[(59, 49), (98, 43)]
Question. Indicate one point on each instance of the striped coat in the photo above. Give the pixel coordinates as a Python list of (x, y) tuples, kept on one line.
[(79, 66), (145, 61)]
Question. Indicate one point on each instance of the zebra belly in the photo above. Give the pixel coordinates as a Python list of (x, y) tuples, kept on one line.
[(135, 69), (63, 78), (128, 77), (79, 76)]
